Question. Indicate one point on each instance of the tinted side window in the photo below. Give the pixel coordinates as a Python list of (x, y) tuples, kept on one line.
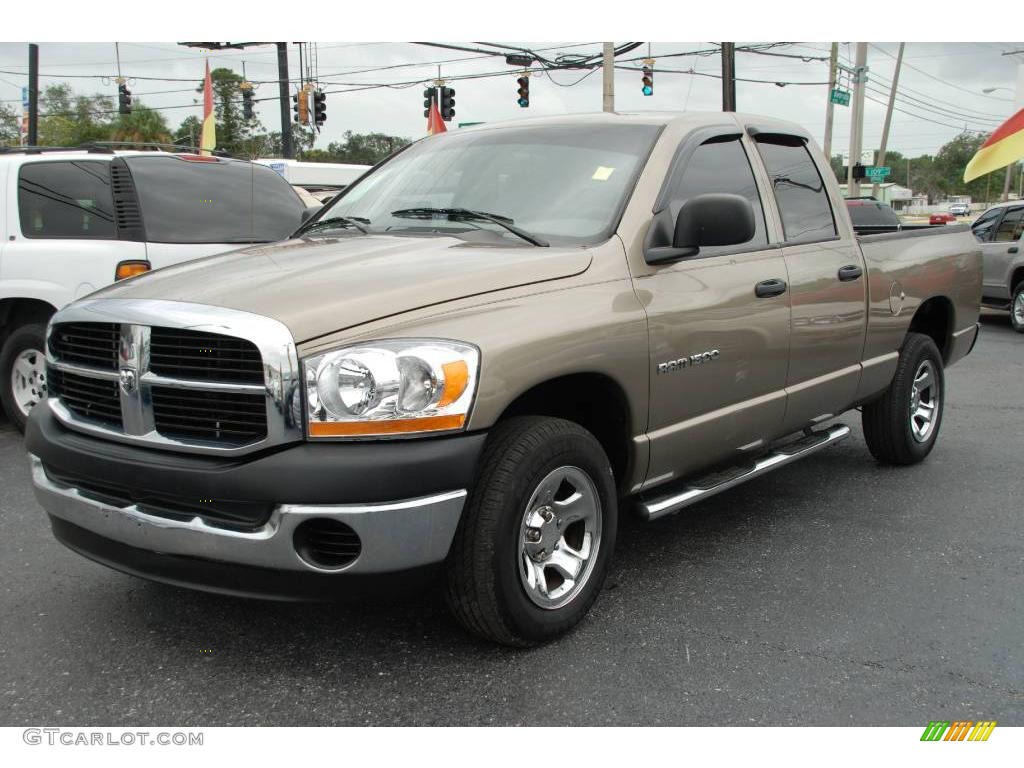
[(185, 201), (985, 225), (718, 166), (799, 191), (1010, 227), (66, 199)]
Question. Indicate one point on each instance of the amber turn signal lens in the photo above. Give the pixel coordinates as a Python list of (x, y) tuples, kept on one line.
[(456, 377), (131, 269), (384, 426)]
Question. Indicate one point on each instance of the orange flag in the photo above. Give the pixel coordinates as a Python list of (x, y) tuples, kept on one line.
[(1004, 146), (434, 122), (208, 142)]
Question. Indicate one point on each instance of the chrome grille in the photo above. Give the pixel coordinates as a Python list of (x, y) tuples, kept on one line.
[(173, 375), (93, 344), (187, 354), (93, 399), (222, 416)]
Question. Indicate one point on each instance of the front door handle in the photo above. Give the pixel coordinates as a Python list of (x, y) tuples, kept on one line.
[(773, 287), (850, 272), (1012, 249)]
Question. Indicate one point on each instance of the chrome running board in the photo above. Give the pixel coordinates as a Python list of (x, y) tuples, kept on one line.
[(700, 488)]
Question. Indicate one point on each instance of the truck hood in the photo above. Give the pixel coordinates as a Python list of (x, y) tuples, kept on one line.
[(323, 285)]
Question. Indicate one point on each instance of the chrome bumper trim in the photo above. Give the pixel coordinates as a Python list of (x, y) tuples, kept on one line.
[(395, 535)]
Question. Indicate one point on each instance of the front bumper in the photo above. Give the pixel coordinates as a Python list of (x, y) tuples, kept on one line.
[(402, 499)]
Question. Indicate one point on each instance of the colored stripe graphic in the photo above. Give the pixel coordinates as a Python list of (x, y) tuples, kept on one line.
[(982, 730), (935, 730)]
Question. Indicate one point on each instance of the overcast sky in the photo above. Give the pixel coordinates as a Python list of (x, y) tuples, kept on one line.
[(941, 84)]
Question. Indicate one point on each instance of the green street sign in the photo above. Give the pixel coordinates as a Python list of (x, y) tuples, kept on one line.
[(839, 97), (878, 171)]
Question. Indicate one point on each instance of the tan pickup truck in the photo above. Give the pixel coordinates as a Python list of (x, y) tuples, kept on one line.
[(482, 353)]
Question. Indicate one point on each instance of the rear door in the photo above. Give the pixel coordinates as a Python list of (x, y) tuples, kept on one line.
[(1000, 248), (63, 238), (718, 351), (828, 288)]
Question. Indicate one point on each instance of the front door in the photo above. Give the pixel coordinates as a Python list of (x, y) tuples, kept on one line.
[(719, 351), (1000, 250)]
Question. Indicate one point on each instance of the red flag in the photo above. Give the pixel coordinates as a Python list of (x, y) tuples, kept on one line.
[(434, 122), (208, 141)]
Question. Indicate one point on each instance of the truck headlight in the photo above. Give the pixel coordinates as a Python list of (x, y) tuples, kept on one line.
[(399, 387)]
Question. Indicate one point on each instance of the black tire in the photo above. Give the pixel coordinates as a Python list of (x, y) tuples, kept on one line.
[(887, 421), (484, 587), (30, 336), (1018, 296)]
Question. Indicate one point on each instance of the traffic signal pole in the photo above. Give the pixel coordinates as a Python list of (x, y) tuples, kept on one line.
[(888, 116), (33, 94), (286, 122), (728, 77), (857, 119)]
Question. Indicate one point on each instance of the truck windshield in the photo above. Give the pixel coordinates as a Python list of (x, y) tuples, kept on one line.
[(560, 184)]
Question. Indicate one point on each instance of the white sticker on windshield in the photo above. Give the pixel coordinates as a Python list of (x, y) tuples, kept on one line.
[(602, 173)]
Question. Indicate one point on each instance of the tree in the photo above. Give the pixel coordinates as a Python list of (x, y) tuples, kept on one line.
[(235, 135), (950, 162), (143, 124), (67, 119), (189, 131), (365, 148), (10, 129)]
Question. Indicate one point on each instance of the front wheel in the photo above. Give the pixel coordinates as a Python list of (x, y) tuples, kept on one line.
[(23, 372), (533, 546), (1017, 308), (902, 425)]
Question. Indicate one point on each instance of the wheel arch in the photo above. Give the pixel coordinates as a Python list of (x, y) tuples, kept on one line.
[(595, 401), (18, 311), (934, 317)]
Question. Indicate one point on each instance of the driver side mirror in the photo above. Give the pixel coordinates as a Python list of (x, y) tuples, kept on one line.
[(711, 219)]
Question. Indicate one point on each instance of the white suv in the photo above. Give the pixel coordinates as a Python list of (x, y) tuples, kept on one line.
[(73, 221)]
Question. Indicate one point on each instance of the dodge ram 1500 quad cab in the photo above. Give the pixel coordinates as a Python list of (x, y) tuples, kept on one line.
[(482, 353)]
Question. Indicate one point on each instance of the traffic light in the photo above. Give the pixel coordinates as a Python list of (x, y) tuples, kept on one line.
[(300, 106), (124, 100), (248, 113), (319, 107), (447, 103), (648, 79), (524, 91), (429, 94)]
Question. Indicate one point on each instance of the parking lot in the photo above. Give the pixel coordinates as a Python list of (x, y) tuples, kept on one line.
[(834, 592)]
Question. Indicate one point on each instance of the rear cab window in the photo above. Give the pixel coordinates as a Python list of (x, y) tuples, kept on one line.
[(69, 199), (212, 200), (871, 214), (799, 189)]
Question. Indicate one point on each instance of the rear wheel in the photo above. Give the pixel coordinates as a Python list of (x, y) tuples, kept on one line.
[(23, 372), (901, 426), (1017, 308), (533, 546)]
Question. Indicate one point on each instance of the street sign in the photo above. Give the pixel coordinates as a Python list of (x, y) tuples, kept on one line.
[(24, 96), (840, 97), (878, 172)]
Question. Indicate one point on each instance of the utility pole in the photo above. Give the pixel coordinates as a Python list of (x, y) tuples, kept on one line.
[(728, 77), (888, 115), (857, 119), (830, 107), (608, 89), (33, 94), (286, 118)]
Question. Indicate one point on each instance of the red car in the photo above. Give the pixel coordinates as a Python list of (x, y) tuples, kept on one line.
[(941, 218)]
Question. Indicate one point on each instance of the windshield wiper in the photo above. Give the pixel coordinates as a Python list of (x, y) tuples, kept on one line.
[(335, 221), (466, 213)]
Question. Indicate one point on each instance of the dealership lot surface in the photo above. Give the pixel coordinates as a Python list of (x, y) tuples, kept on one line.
[(833, 592)]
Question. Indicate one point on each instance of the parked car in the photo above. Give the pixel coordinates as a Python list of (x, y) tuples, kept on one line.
[(76, 220), (960, 209), (1000, 230), (942, 218), (488, 345)]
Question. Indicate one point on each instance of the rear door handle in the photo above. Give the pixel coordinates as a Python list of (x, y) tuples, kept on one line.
[(767, 288), (1012, 249), (850, 272)]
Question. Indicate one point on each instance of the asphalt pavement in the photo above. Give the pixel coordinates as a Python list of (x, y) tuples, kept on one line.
[(832, 592)]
